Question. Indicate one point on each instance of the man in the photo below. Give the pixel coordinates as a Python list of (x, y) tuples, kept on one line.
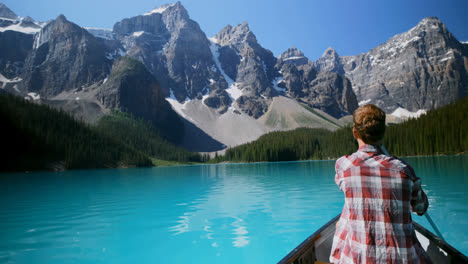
[(380, 191)]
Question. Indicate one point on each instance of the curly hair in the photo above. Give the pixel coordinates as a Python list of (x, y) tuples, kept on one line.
[(369, 123)]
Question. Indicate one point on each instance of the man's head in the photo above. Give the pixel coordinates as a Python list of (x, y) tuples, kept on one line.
[(369, 124)]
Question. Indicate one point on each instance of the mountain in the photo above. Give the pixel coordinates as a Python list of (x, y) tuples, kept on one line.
[(208, 93), (248, 66), (174, 49), (132, 88), (5, 12), (65, 57), (325, 90), (16, 38), (423, 68)]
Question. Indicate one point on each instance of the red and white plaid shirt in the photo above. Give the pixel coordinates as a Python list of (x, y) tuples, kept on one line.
[(375, 225)]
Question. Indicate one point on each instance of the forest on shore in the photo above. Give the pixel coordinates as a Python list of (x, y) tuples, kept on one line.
[(440, 131), (39, 137)]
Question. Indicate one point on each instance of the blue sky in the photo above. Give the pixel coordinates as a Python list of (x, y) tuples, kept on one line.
[(349, 26)]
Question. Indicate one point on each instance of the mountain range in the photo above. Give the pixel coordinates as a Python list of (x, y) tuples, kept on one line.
[(206, 93)]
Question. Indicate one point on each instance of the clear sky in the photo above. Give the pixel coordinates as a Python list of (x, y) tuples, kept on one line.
[(349, 26)]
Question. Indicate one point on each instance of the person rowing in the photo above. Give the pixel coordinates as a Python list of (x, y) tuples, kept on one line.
[(380, 191)]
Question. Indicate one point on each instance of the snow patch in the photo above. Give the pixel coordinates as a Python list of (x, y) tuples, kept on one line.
[(34, 96), (138, 33), (5, 80), (9, 19), (403, 113), (19, 28), (293, 58), (364, 102), (213, 40), (158, 10), (233, 90), (104, 33), (276, 82)]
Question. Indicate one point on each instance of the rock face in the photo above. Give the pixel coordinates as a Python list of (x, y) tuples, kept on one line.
[(329, 62), (174, 49), (423, 68), (249, 66), (132, 88), (5, 12), (64, 57), (15, 48), (327, 91), (294, 56)]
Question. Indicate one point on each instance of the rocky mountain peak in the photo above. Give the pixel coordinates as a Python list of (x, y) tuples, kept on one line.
[(291, 52), (28, 19), (61, 19), (429, 23), (329, 62), (6, 12), (294, 56), (383, 74), (65, 57), (235, 35), (330, 52), (58, 26)]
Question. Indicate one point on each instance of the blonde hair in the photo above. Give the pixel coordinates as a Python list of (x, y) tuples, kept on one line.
[(369, 123)]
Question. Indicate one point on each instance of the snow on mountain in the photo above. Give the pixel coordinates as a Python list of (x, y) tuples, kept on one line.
[(233, 90), (405, 114), (159, 10), (276, 82), (23, 25), (101, 32), (138, 33), (364, 102), (5, 80)]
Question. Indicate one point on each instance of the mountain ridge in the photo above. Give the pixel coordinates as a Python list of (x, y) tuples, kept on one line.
[(230, 77)]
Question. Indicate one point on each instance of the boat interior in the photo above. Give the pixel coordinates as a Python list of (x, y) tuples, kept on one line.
[(316, 248)]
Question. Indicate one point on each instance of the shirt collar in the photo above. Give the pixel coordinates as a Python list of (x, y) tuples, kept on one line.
[(370, 148)]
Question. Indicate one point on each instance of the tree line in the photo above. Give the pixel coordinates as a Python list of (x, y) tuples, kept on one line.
[(38, 137), (440, 131)]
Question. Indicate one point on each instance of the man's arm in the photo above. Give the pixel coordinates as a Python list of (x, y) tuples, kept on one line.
[(419, 202)]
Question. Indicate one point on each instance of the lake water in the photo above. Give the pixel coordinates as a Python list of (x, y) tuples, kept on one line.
[(232, 213)]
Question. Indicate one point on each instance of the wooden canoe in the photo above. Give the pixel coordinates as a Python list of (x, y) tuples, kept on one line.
[(316, 248)]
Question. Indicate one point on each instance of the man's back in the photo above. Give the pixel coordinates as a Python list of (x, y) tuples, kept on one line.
[(376, 224)]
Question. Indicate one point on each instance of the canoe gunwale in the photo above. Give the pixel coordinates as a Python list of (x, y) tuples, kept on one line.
[(296, 252), (456, 256)]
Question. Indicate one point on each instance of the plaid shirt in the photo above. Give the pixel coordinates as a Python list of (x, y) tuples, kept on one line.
[(375, 225)]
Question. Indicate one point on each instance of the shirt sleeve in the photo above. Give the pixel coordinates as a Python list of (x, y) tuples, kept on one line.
[(419, 201), (339, 179)]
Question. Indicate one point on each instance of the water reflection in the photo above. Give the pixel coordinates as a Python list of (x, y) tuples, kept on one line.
[(244, 196), (249, 213)]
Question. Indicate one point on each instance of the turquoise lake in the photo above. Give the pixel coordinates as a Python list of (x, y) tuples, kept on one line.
[(230, 213)]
